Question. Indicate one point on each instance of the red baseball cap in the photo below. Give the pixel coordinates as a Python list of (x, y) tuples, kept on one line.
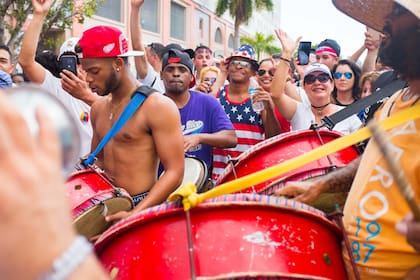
[(104, 41)]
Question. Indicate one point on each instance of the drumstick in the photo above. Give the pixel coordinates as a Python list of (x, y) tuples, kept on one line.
[(397, 173)]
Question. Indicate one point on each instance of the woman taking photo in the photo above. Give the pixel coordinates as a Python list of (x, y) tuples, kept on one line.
[(318, 85)]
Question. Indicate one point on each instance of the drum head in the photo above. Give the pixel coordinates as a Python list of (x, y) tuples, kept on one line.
[(195, 172), (92, 222)]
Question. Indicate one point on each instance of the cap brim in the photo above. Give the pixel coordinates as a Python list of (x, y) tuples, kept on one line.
[(132, 53), (369, 12)]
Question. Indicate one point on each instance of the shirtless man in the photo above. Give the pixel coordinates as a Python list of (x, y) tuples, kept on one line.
[(131, 158)]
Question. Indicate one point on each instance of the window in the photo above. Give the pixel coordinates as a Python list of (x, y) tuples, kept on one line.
[(230, 42), (177, 21), (201, 28), (218, 36), (149, 16), (110, 9)]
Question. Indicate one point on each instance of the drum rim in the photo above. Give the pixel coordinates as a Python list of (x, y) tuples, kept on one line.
[(205, 171), (287, 136)]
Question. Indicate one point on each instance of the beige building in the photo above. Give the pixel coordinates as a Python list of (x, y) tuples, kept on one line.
[(186, 22)]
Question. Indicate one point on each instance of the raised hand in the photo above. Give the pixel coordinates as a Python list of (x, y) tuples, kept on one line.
[(41, 6)]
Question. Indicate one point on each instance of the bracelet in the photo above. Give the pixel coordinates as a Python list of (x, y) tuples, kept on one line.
[(64, 265), (285, 59)]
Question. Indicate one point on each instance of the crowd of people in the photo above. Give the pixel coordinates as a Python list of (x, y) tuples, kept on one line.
[(195, 108)]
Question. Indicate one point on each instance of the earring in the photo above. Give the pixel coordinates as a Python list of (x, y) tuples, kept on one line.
[(118, 69)]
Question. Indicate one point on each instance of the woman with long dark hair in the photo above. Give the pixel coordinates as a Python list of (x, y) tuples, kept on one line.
[(346, 76)]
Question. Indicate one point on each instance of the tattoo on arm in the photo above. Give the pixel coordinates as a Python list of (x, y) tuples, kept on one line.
[(342, 179)]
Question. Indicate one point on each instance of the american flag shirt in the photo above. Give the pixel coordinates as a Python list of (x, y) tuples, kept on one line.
[(248, 127)]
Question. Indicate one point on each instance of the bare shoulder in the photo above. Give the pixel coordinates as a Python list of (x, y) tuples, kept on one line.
[(159, 102), (161, 108)]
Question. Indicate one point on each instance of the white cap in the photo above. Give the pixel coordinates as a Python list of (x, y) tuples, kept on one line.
[(317, 67), (68, 46)]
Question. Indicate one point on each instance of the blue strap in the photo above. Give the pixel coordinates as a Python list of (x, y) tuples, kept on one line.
[(136, 100)]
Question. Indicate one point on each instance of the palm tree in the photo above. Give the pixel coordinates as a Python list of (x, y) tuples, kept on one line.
[(241, 11), (261, 44)]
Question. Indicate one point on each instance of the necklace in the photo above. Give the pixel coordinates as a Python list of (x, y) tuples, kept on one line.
[(320, 108), (113, 109)]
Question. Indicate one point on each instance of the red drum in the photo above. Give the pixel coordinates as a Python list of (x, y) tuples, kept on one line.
[(233, 236), (91, 197), (281, 148)]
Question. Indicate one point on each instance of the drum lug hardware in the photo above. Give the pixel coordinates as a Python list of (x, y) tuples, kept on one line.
[(327, 259)]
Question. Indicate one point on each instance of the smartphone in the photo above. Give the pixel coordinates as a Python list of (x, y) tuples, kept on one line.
[(304, 50), (211, 82), (68, 62)]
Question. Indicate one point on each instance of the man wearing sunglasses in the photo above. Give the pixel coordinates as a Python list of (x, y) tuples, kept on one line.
[(383, 235), (251, 127)]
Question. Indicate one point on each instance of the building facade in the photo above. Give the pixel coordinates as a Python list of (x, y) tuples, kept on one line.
[(186, 22)]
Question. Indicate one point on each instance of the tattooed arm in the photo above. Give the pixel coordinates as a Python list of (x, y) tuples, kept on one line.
[(308, 191)]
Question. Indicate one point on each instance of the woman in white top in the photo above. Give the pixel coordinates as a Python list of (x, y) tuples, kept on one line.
[(318, 85)]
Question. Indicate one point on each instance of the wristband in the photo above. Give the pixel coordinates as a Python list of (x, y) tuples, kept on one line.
[(285, 59), (64, 265)]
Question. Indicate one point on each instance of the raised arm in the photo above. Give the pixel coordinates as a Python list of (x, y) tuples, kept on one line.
[(136, 38), (372, 42), (285, 104), (33, 70)]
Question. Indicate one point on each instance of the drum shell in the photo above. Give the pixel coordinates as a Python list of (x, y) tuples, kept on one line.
[(233, 236), (281, 148)]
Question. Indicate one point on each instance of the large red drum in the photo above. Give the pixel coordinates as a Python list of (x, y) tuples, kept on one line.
[(91, 197), (281, 148), (233, 236)]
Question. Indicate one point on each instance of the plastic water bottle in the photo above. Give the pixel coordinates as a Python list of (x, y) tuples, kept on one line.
[(256, 106)]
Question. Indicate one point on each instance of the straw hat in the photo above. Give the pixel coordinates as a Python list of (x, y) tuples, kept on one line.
[(373, 12)]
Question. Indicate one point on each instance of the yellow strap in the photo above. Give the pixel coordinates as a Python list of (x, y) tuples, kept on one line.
[(191, 199)]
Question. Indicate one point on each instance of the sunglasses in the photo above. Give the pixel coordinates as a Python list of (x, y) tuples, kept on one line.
[(241, 63), (347, 75), (261, 72), (322, 78)]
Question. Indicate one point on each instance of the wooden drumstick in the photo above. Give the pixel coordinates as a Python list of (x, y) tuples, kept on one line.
[(397, 173)]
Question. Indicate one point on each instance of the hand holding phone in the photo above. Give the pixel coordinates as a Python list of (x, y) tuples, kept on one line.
[(303, 52), (68, 62)]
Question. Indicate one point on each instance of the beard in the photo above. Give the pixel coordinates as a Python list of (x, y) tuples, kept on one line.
[(402, 51), (111, 83)]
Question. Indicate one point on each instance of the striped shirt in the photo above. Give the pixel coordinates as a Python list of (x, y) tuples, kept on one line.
[(248, 127)]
